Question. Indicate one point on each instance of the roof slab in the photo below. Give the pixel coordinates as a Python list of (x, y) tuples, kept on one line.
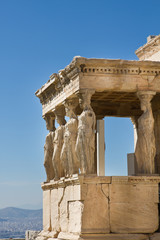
[(115, 82)]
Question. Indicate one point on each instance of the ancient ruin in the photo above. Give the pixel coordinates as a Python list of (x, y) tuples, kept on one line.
[(79, 202)]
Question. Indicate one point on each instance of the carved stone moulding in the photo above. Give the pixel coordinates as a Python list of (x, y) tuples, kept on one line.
[(77, 179), (151, 47), (100, 75)]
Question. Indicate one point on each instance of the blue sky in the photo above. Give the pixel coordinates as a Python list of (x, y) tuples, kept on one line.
[(38, 38)]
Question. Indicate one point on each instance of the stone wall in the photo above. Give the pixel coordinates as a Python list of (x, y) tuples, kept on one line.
[(78, 207)]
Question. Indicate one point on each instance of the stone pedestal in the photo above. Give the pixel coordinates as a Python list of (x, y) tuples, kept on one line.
[(97, 208)]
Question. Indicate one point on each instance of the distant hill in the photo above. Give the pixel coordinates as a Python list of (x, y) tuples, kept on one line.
[(12, 212), (3, 220), (15, 221)]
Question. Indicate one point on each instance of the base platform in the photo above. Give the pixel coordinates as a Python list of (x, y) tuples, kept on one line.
[(101, 208)]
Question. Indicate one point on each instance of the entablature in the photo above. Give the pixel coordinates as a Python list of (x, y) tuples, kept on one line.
[(150, 48), (115, 83)]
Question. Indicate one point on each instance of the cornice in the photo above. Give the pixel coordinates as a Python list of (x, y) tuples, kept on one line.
[(136, 179), (57, 82), (81, 66), (60, 79), (63, 182), (76, 180), (82, 179), (148, 49)]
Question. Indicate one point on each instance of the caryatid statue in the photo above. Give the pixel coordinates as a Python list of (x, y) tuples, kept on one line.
[(68, 155), (85, 144), (58, 142), (48, 147), (145, 148)]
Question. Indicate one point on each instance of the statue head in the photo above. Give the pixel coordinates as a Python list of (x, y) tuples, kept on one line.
[(60, 116), (145, 99), (85, 98), (70, 105), (50, 122), (84, 102), (60, 120)]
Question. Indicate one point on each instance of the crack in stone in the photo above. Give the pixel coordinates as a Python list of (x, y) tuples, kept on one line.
[(105, 194), (59, 203), (108, 198)]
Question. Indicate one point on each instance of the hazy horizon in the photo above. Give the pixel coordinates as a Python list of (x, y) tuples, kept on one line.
[(24, 208)]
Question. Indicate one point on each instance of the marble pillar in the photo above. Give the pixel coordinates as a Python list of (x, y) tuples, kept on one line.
[(48, 147), (145, 148), (85, 144)]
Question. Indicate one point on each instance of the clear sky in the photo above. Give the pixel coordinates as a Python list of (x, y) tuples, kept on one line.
[(38, 38)]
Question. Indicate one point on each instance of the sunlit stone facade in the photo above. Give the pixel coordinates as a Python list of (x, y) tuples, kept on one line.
[(78, 201)]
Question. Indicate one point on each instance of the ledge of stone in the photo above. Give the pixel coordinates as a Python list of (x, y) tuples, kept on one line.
[(88, 179)]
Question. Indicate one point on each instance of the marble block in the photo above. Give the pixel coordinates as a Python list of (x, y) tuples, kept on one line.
[(100, 208)]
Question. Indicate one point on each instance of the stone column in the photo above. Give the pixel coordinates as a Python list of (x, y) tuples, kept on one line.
[(68, 155), (48, 147), (100, 148), (157, 139), (145, 148), (131, 162), (48, 152), (85, 144), (57, 143)]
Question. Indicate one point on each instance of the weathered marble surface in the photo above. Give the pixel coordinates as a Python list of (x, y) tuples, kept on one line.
[(85, 144), (155, 236), (49, 148), (104, 237), (115, 237), (81, 206), (46, 210), (105, 76), (68, 154), (145, 148), (134, 217), (157, 139), (134, 204), (57, 143), (150, 50), (95, 218)]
